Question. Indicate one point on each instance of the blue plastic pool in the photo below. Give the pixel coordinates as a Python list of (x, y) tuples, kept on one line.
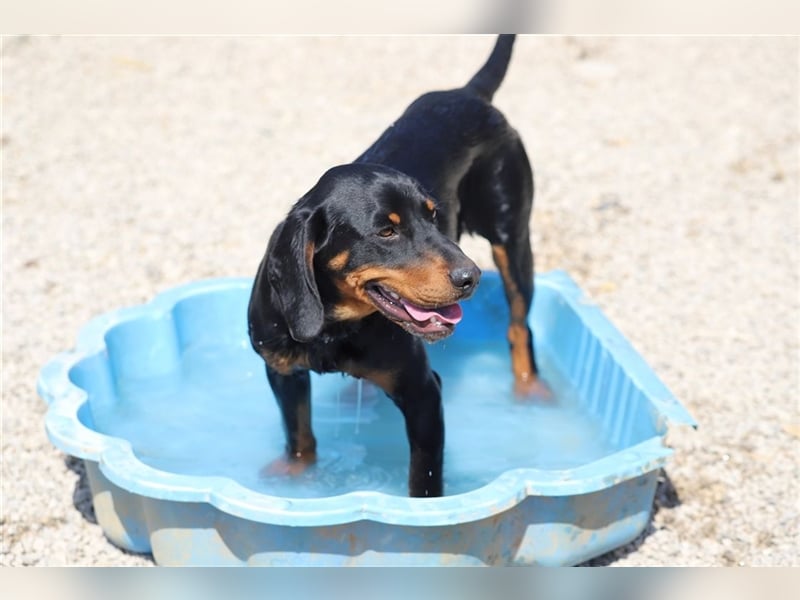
[(170, 409)]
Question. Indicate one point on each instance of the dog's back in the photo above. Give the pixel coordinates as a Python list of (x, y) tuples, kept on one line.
[(442, 135)]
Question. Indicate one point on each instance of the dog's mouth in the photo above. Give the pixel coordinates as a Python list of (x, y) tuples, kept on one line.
[(430, 323)]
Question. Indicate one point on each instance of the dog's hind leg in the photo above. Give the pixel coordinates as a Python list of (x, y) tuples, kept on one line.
[(514, 261), (497, 199)]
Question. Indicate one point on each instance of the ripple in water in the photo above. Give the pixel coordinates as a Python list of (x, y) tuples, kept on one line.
[(218, 417)]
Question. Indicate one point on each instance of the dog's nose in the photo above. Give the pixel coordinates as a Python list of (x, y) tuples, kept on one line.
[(465, 278)]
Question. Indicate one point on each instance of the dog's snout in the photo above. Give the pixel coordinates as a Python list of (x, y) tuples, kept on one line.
[(465, 278)]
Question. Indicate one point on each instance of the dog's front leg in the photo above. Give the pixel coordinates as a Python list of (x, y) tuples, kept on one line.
[(420, 401), (401, 369), (293, 394)]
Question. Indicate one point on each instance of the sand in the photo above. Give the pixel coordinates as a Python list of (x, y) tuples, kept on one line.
[(667, 186)]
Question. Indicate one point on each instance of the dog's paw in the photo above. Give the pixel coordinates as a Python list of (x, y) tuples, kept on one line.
[(287, 466), (532, 389)]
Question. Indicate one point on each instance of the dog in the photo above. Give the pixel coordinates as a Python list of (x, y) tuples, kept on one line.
[(365, 267)]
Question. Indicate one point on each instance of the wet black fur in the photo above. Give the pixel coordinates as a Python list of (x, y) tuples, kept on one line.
[(451, 146)]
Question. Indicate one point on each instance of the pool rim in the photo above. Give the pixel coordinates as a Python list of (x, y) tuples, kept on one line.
[(119, 464)]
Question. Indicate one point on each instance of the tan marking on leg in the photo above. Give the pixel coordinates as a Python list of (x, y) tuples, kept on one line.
[(288, 466), (521, 363), (285, 364), (305, 444), (384, 379), (518, 336)]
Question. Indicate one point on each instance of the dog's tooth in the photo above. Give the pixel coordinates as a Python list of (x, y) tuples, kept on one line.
[(394, 296)]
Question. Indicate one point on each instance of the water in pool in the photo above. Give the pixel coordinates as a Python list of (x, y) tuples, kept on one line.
[(217, 417)]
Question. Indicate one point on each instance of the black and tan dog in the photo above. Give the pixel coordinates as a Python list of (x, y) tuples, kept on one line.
[(365, 266)]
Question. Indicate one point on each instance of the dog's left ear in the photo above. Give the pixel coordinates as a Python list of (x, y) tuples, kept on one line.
[(290, 269)]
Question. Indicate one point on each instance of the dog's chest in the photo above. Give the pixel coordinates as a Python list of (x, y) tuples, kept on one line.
[(329, 352)]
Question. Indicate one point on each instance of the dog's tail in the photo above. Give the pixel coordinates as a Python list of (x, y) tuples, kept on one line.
[(490, 76)]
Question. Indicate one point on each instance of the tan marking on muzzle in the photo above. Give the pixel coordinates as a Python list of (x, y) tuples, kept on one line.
[(426, 282)]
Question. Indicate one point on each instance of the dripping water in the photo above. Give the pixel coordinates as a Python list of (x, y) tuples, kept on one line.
[(358, 403), (338, 419)]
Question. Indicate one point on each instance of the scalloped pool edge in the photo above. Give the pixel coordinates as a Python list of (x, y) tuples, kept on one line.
[(117, 462)]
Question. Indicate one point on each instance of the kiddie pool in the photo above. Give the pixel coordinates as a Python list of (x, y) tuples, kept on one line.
[(171, 412)]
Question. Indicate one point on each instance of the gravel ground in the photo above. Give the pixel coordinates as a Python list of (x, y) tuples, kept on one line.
[(667, 173)]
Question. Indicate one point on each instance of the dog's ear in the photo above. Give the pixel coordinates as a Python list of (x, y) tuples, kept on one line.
[(290, 269)]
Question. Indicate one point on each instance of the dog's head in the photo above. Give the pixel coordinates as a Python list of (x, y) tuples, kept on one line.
[(365, 239)]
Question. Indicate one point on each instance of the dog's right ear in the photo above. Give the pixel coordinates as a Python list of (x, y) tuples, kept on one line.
[(290, 270)]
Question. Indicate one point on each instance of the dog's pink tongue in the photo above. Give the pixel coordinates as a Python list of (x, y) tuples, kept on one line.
[(448, 314)]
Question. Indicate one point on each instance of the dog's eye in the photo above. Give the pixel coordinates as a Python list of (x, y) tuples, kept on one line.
[(433, 214), (387, 232)]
